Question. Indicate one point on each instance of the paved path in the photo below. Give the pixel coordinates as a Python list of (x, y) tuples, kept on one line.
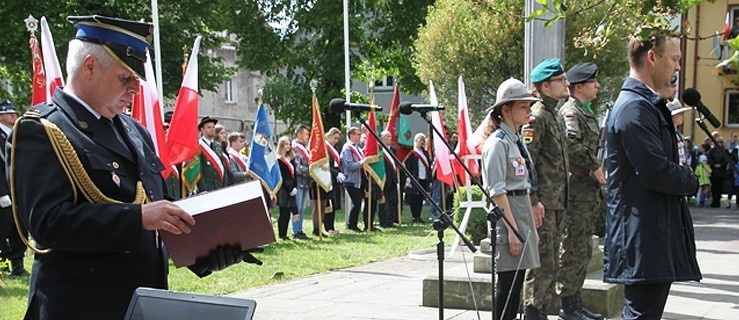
[(392, 289)]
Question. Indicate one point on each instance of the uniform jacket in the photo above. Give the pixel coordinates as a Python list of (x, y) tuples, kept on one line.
[(547, 145), (209, 178), (649, 230), (391, 180), (101, 252), (351, 166), (284, 199), (4, 189), (411, 163), (238, 174)]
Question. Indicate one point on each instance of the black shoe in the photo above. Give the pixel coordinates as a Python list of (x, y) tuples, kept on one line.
[(585, 311), (315, 233), (18, 270), (355, 229), (300, 236), (535, 314), (376, 230), (571, 310), (285, 238)]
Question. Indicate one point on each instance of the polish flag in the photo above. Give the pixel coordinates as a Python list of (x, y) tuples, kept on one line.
[(54, 76), (464, 145), (147, 110), (38, 87), (443, 166), (182, 137), (727, 27)]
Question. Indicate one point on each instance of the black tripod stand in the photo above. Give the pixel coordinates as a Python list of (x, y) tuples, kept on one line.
[(494, 214), (441, 222)]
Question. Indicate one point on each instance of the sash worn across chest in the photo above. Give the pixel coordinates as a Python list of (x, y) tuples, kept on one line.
[(237, 158), (212, 157)]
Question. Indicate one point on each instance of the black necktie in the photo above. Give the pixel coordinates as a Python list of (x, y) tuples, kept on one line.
[(109, 123), (529, 166)]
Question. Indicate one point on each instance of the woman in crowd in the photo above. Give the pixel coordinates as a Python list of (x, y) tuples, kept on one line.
[(506, 175), (419, 165), (286, 193), (221, 136)]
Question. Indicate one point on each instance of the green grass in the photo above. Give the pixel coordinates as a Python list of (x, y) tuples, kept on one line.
[(283, 260)]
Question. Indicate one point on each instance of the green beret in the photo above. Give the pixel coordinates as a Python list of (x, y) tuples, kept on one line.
[(546, 69)]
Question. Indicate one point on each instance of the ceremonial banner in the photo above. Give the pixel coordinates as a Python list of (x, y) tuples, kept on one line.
[(54, 76), (464, 130), (374, 160), (182, 138), (444, 171), (146, 109), (319, 162), (262, 159), (38, 87), (394, 127)]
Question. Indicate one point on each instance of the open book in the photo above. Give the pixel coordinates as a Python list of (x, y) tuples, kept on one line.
[(236, 215)]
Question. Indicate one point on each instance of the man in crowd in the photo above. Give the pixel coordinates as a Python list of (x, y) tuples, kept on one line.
[(352, 159), (388, 211), (302, 175), (237, 160), (12, 247), (547, 145), (213, 170), (586, 176), (99, 209), (650, 241)]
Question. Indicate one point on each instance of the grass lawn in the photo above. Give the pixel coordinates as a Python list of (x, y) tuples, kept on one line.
[(283, 260)]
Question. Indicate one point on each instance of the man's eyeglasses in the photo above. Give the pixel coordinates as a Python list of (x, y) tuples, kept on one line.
[(562, 79)]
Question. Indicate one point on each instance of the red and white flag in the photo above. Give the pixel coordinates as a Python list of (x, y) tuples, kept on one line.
[(147, 110), (444, 171), (318, 156), (182, 137), (38, 87), (465, 145), (727, 27), (54, 76)]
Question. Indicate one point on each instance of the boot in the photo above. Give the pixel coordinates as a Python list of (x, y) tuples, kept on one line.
[(570, 310), (17, 268), (532, 313), (585, 311)]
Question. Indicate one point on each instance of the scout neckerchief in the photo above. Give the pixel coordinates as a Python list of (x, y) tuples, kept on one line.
[(337, 162), (289, 166), (237, 158), (423, 160), (212, 157)]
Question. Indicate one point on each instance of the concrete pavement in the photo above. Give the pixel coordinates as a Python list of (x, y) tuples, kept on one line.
[(392, 289)]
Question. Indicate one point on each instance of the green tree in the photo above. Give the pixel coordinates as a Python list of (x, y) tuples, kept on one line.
[(180, 21)]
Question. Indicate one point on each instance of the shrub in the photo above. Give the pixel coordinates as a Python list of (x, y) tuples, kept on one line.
[(477, 224)]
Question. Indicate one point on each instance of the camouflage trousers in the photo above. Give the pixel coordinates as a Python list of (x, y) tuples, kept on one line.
[(539, 284), (577, 248)]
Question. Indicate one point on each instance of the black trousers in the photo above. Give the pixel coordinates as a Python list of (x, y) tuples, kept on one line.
[(645, 301), (508, 283), (356, 195), (388, 211), (283, 220), (717, 186), (11, 245)]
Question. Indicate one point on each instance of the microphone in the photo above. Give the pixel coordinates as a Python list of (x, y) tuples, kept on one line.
[(409, 107), (693, 98), (338, 105)]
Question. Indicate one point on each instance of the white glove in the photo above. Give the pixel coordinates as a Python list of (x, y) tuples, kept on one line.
[(294, 192), (5, 201), (407, 182), (341, 178)]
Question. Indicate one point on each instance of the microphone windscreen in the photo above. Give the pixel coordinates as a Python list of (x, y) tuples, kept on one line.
[(337, 105), (691, 97), (406, 108)]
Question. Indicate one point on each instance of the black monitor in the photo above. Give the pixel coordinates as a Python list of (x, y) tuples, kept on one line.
[(154, 304)]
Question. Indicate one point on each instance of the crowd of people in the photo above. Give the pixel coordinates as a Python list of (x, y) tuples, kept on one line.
[(96, 218)]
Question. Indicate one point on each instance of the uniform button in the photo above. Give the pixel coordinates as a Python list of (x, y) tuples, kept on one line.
[(116, 165), (126, 252)]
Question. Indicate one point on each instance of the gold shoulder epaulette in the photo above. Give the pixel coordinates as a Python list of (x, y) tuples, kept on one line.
[(32, 113)]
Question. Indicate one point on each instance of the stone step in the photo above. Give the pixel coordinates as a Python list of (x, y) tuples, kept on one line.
[(482, 259)]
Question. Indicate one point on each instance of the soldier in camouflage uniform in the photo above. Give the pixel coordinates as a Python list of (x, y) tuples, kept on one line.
[(586, 176), (545, 137)]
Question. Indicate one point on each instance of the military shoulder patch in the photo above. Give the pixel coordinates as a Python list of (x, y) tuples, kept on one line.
[(569, 114), (528, 135), (572, 128)]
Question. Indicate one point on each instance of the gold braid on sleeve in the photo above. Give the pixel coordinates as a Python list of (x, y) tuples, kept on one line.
[(78, 178)]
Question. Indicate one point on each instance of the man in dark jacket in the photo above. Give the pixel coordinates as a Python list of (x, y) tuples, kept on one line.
[(649, 230)]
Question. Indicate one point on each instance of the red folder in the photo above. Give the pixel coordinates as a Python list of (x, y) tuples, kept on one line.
[(236, 215)]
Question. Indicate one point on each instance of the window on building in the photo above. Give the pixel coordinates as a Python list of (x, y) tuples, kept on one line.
[(230, 92), (386, 83), (731, 108)]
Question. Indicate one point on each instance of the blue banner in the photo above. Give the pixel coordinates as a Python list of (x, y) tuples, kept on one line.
[(262, 159)]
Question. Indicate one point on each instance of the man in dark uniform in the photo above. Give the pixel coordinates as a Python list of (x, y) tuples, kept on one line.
[(586, 177), (214, 173), (388, 211), (545, 137), (100, 205), (11, 246)]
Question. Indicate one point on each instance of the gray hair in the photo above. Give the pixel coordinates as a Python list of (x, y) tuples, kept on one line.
[(79, 49)]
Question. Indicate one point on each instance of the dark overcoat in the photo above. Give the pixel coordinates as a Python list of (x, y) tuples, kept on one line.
[(649, 230)]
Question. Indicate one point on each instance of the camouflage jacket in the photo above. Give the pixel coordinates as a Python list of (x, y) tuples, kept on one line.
[(545, 137), (581, 128)]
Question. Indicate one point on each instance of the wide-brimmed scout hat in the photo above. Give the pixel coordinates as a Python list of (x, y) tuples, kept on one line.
[(676, 107), (511, 90)]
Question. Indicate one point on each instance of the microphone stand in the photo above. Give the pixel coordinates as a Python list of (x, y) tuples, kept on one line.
[(440, 223), (729, 161), (493, 216)]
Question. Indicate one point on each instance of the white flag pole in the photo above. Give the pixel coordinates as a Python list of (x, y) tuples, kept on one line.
[(157, 49)]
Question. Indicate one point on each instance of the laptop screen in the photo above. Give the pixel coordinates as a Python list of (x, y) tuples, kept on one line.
[(150, 304)]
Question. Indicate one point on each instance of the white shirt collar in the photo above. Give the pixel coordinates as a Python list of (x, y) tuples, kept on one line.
[(84, 104)]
